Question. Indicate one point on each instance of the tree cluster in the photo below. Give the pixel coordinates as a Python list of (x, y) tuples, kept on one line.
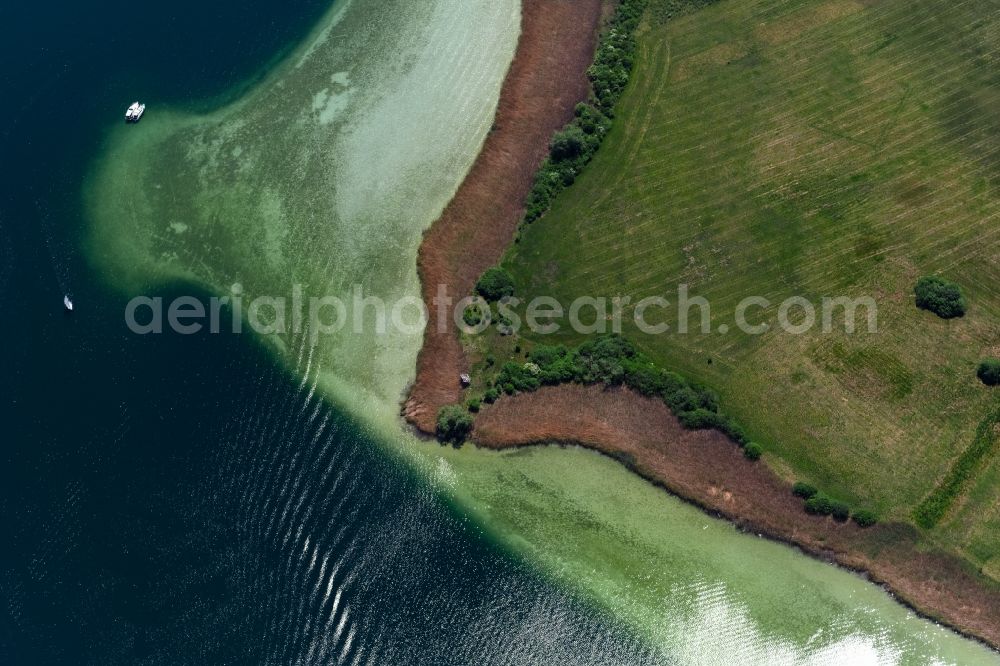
[(454, 424), (818, 504), (940, 296), (574, 146)]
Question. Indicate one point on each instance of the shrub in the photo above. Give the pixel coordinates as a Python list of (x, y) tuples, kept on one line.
[(547, 356), (707, 398), (453, 424), (494, 284), (518, 377), (840, 511), (555, 363), (989, 372), (603, 360), (734, 431), (473, 316), (804, 490), (568, 144), (865, 518), (940, 296), (591, 120), (576, 144), (672, 382), (683, 399), (491, 396), (647, 380), (753, 451), (700, 419), (819, 505), (474, 405)]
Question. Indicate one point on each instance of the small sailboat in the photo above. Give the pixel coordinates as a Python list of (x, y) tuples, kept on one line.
[(68, 303), (134, 112)]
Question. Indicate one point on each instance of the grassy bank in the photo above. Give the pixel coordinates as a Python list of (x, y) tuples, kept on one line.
[(806, 149)]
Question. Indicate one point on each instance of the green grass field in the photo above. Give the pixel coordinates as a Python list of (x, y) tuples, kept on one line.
[(811, 148)]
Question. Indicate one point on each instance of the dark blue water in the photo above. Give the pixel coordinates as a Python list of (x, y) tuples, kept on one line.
[(181, 500)]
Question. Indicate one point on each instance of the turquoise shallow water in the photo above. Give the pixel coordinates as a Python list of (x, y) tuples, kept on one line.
[(226, 499)]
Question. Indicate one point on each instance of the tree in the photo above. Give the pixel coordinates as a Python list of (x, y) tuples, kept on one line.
[(840, 511), (989, 372), (494, 284), (804, 490), (865, 518), (753, 451), (940, 296), (819, 505), (568, 144), (454, 424)]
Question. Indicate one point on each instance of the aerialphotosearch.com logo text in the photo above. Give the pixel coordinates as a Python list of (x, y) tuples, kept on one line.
[(363, 314)]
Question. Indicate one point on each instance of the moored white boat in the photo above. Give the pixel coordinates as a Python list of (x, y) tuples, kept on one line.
[(68, 303), (134, 112)]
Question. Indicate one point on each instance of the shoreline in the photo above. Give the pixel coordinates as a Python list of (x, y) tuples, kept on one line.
[(545, 81), (705, 469)]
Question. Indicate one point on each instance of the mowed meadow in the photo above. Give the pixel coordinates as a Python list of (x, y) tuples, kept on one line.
[(811, 148)]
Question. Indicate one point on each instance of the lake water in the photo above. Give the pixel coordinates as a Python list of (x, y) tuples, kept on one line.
[(219, 499)]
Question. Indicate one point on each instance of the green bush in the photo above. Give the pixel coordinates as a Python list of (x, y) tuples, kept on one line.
[(701, 419), (491, 396), (474, 405), (454, 424), (575, 145), (473, 316), (734, 431), (683, 399), (557, 365), (940, 296), (568, 144), (591, 120), (518, 377), (615, 55), (647, 380), (707, 398), (840, 511), (494, 284), (804, 490), (865, 518), (753, 451), (604, 359), (548, 355), (989, 372), (819, 505)]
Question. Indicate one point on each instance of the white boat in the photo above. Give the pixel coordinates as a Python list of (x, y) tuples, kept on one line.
[(134, 112), (68, 303)]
